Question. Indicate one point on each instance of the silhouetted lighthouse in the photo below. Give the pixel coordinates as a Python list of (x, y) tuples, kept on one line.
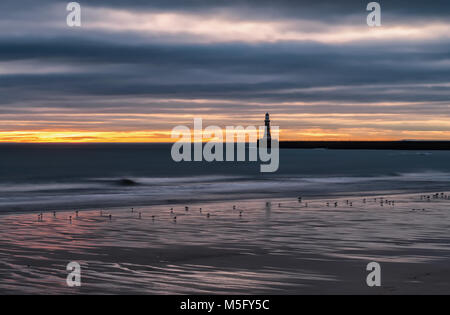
[(267, 134)]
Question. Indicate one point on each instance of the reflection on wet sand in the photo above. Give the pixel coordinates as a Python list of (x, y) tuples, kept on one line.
[(278, 246)]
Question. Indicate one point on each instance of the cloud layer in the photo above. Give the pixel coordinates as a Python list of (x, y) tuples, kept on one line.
[(136, 69)]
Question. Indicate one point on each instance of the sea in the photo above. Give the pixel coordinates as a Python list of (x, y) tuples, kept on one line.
[(42, 177)]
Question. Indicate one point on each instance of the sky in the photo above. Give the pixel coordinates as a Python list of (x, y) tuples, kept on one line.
[(136, 69)]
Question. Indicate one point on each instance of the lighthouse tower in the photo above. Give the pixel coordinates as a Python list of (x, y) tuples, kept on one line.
[(267, 134)]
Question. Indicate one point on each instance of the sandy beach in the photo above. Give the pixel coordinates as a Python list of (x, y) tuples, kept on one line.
[(264, 246)]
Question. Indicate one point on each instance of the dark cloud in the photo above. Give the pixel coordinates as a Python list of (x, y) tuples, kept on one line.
[(232, 71), (325, 10)]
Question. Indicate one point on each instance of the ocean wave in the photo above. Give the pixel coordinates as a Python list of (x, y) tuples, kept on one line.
[(166, 180)]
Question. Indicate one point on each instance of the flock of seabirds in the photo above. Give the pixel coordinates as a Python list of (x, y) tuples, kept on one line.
[(381, 200)]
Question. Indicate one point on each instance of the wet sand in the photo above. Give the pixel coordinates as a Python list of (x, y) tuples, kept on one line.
[(267, 246)]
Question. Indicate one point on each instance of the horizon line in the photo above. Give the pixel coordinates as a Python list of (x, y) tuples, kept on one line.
[(165, 142)]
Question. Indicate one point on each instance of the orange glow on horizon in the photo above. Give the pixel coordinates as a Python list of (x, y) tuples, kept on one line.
[(63, 136), (162, 136)]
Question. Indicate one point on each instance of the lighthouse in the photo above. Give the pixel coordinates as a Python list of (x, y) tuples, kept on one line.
[(267, 131)]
